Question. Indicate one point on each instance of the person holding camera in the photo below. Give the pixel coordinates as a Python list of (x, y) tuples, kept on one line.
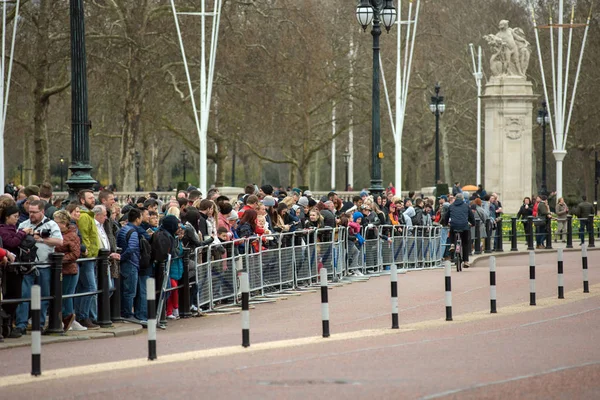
[(47, 235)]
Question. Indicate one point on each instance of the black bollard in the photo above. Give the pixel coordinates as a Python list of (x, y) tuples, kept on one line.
[(493, 285), (477, 236), (394, 286), (448, 288), (561, 278), (532, 278), (36, 333), (584, 265), (184, 291), (500, 246), (513, 234), (591, 243), (55, 309), (245, 287), (151, 301), (529, 234), (324, 303), (104, 287), (549, 232), (569, 232)]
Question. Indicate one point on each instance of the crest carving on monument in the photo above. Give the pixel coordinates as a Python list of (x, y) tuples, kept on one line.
[(514, 127)]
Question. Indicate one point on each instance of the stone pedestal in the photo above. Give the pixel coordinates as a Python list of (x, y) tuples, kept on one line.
[(508, 140)]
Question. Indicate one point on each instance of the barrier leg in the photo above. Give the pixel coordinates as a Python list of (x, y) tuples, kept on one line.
[(448, 287), (104, 297), (591, 231), (530, 233), (549, 232), (532, 278), (513, 235), (324, 303), (394, 283), (36, 334), (477, 237), (55, 309), (151, 300), (493, 285), (561, 278), (499, 245), (569, 232)]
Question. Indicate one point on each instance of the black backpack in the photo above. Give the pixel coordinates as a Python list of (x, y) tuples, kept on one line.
[(28, 248), (145, 260)]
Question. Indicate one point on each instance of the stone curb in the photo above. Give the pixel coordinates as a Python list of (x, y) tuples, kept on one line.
[(118, 330)]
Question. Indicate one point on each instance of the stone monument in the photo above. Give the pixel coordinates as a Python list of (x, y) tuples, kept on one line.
[(509, 101)]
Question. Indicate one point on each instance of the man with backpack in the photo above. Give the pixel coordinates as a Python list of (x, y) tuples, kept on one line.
[(128, 240), (46, 234)]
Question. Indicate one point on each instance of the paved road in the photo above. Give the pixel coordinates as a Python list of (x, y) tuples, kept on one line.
[(548, 351)]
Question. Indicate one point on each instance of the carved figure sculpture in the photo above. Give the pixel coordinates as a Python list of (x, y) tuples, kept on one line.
[(511, 51)]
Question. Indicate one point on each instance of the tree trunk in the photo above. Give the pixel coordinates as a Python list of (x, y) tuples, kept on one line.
[(131, 130)]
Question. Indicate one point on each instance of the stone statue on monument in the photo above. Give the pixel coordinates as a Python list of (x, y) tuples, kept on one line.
[(511, 51)]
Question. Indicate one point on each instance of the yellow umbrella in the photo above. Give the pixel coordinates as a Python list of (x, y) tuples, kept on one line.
[(470, 188)]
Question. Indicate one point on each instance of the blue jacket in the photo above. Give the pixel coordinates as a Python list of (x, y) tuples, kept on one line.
[(459, 215), (131, 249), (176, 271)]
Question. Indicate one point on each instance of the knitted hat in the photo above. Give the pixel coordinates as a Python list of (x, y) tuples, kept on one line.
[(324, 199), (307, 193), (10, 210), (356, 216), (269, 201), (233, 216), (298, 191), (170, 223), (363, 194), (303, 201)]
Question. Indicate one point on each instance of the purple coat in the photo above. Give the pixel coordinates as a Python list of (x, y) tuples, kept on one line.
[(11, 238)]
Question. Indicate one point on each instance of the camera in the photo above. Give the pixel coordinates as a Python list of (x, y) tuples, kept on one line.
[(44, 233)]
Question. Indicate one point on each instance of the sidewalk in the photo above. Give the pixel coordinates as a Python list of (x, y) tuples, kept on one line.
[(117, 330)]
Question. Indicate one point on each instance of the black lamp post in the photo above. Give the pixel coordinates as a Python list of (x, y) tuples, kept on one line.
[(62, 163), (137, 171), (183, 160), (80, 124), (346, 156), (376, 11), (437, 107), (543, 119)]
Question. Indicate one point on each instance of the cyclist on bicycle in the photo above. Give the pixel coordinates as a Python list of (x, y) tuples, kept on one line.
[(459, 216)]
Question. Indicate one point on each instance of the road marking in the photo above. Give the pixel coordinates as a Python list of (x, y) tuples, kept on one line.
[(65, 373)]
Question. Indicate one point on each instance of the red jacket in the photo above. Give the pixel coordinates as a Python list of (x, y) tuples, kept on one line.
[(71, 249)]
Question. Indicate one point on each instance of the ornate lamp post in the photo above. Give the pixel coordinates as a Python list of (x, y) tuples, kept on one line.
[(376, 11), (80, 124), (437, 107), (137, 171), (346, 156), (62, 163), (183, 160), (543, 119)]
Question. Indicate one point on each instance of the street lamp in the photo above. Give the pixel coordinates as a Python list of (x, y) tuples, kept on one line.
[(437, 107), (543, 119), (183, 155), (346, 156), (62, 163), (137, 171), (376, 11)]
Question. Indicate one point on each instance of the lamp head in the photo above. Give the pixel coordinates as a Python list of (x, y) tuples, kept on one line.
[(364, 13)]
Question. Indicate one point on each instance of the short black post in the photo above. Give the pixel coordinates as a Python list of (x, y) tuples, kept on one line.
[(513, 234), (561, 278), (104, 287), (184, 291), (499, 245), (151, 301), (36, 334), (532, 278), (115, 299), (55, 309), (569, 232), (477, 236), (584, 265), (591, 231), (493, 285), (245, 286), (529, 233), (324, 303), (448, 287), (394, 283), (549, 232)]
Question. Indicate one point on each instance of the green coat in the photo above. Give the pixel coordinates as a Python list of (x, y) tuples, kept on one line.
[(89, 232)]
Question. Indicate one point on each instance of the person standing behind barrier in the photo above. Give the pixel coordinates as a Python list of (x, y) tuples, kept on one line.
[(561, 217), (71, 248), (583, 212), (524, 213), (459, 217), (85, 307), (37, 223), (100, 218), (11, 239), (542, 213), (130, 262)]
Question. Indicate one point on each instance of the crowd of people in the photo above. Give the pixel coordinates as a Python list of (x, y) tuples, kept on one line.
[(141, 233)]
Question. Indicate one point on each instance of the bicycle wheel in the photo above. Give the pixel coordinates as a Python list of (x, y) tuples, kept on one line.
[(458, 255)]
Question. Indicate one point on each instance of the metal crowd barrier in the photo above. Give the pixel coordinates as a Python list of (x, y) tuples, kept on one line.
[(284, 262)]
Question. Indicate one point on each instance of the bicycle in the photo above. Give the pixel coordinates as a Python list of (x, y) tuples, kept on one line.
[(458, 251)]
